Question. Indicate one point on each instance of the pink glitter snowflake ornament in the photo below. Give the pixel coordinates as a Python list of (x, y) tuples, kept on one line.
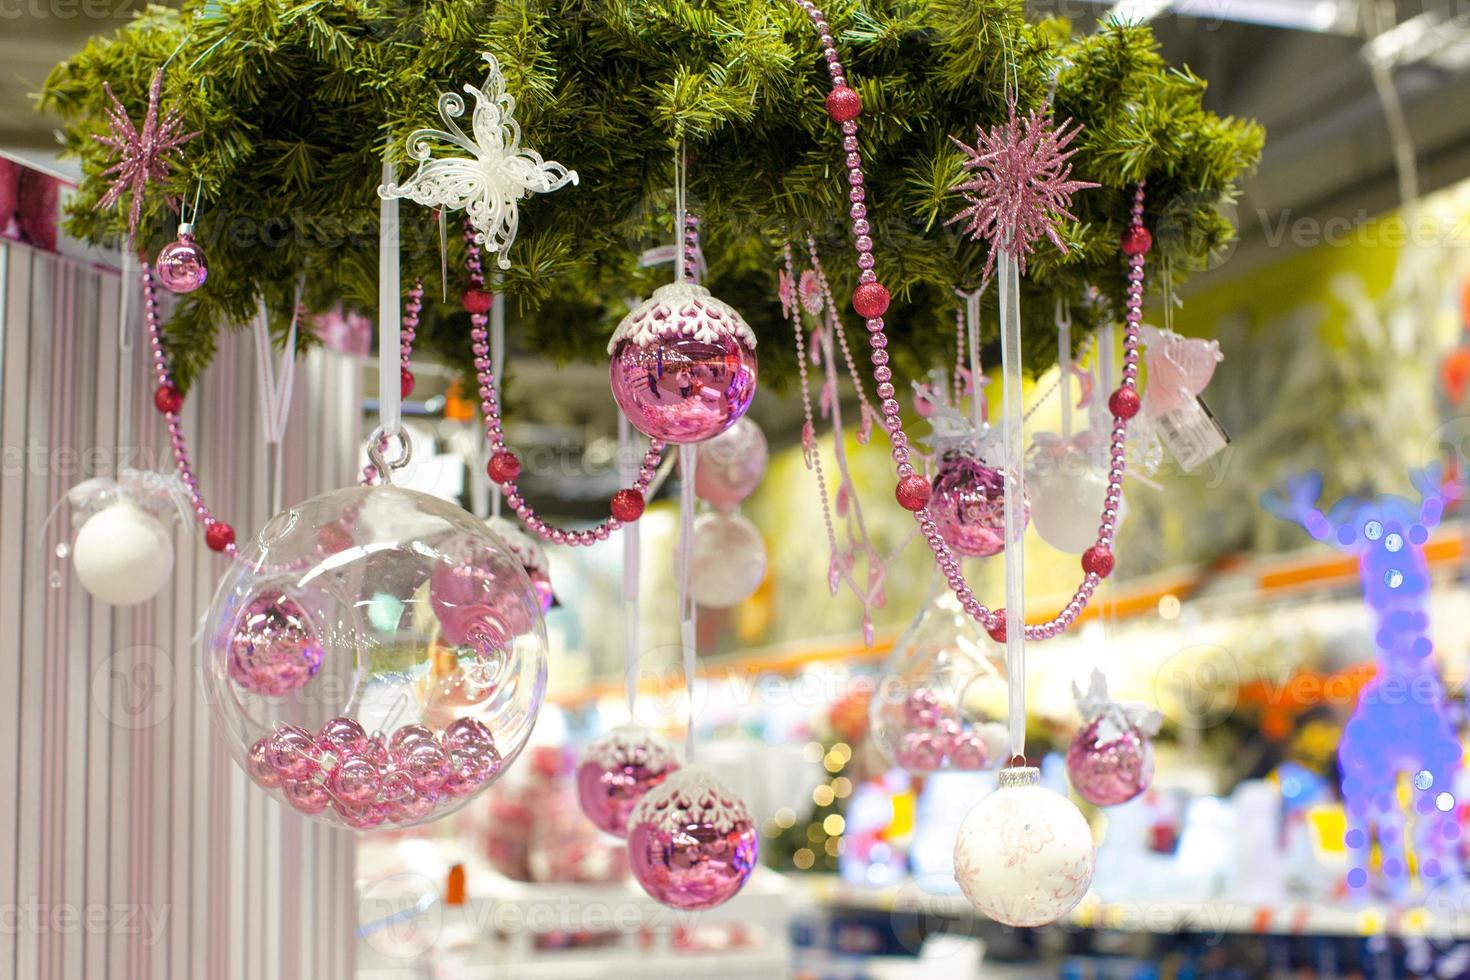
[(143, 153), (1021, 183)]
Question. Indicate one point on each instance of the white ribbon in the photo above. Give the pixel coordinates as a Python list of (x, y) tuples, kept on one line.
[(683, 562), (1064, 363), (1014, 476), (497, 367), (390, 399), (275, 386), (627, 470)]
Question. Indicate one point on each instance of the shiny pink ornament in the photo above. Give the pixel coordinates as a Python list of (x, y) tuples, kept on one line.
[(411, 809), (306, 795), (731, 465), (360, 816), (426, 764), (691, 842), (292, 752), (544, 594), (479, 605), (344, 736), (615, 773), (920, 752), (1106, 773), (355, 780), (683, 365), (967, 751), (529, 552), (273, 649), (969, 506), (409, 735), (922, 708), (259, 767), (181, 265), (473, 757)]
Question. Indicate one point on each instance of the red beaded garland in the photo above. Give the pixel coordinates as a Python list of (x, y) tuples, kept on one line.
[(405, 382), (627, 505), (504, 467), (1125, 402), (219, 536), (477, 301), (1097, 561), (1137, 241), (870, 299), (168, 399), (913, 492), (844, 104)]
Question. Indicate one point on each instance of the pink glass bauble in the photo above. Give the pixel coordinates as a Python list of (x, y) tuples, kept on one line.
[(967, 750), (258, 766), (345, 736), (922, 709), (529, 553), (920, 752), (1108, 765), (968, 504), (292, 752), (181, 265), (615, 773), (728, 562), (273, 649), (731, 465), (1024, 855), (306, 795), (683, 365), (691, 842), (381, 737), (355, 780), (427, 764)]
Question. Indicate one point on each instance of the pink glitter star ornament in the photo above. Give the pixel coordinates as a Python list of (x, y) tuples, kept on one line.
[(1020, 183), (143, 153)]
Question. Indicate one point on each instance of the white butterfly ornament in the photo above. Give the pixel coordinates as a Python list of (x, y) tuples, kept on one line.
[(489, 182)]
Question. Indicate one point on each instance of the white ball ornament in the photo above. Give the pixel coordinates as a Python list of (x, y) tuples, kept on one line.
[(1067, 490), (1024, 856), (728, 561), (123, 555)]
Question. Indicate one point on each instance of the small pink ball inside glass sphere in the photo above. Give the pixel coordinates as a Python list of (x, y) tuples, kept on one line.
[(731, 465), (181, 265), (345, 736), (307, 795), (1107, 773), (356, 780), (259, 768), (273, 649), (922, 708), (967, 750), (292, 752), (426, 764), (683, 365), (615, 773), (920, 752), (968, 504), (691, 842)]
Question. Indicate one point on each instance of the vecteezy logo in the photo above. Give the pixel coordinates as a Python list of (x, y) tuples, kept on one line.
[(134, 688)]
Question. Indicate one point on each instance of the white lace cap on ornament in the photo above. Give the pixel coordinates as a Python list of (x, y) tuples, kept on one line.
[(630, 745), (160, 494), (1114, 718), (527, 550), (681, 309), (951, 430), (691, 795), (488, 183)]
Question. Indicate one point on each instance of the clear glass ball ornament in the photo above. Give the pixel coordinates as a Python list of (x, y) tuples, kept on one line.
[(968, 504), (683, 365), (728, 560), (1024, 855), (375, 657), (941, 697)]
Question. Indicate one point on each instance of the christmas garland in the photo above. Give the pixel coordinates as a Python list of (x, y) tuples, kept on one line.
[(296, 105)]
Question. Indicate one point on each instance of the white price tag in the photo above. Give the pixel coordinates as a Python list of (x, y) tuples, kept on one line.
[(1192, 435)]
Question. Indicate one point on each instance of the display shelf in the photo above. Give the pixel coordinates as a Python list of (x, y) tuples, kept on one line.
[(1170, 915)]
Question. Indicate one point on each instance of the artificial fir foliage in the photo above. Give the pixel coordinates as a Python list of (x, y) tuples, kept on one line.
[(297, 102)]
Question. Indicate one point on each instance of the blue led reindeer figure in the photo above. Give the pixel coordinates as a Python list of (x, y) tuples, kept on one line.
[(1399, 742)]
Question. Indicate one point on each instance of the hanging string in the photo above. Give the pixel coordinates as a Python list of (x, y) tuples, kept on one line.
[(978, 408), (628, 470), (497, 363), (681, 210), (683, 561), (275, 389), (125, 350), (1064, 364), (1015, 496), (390, 401)]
